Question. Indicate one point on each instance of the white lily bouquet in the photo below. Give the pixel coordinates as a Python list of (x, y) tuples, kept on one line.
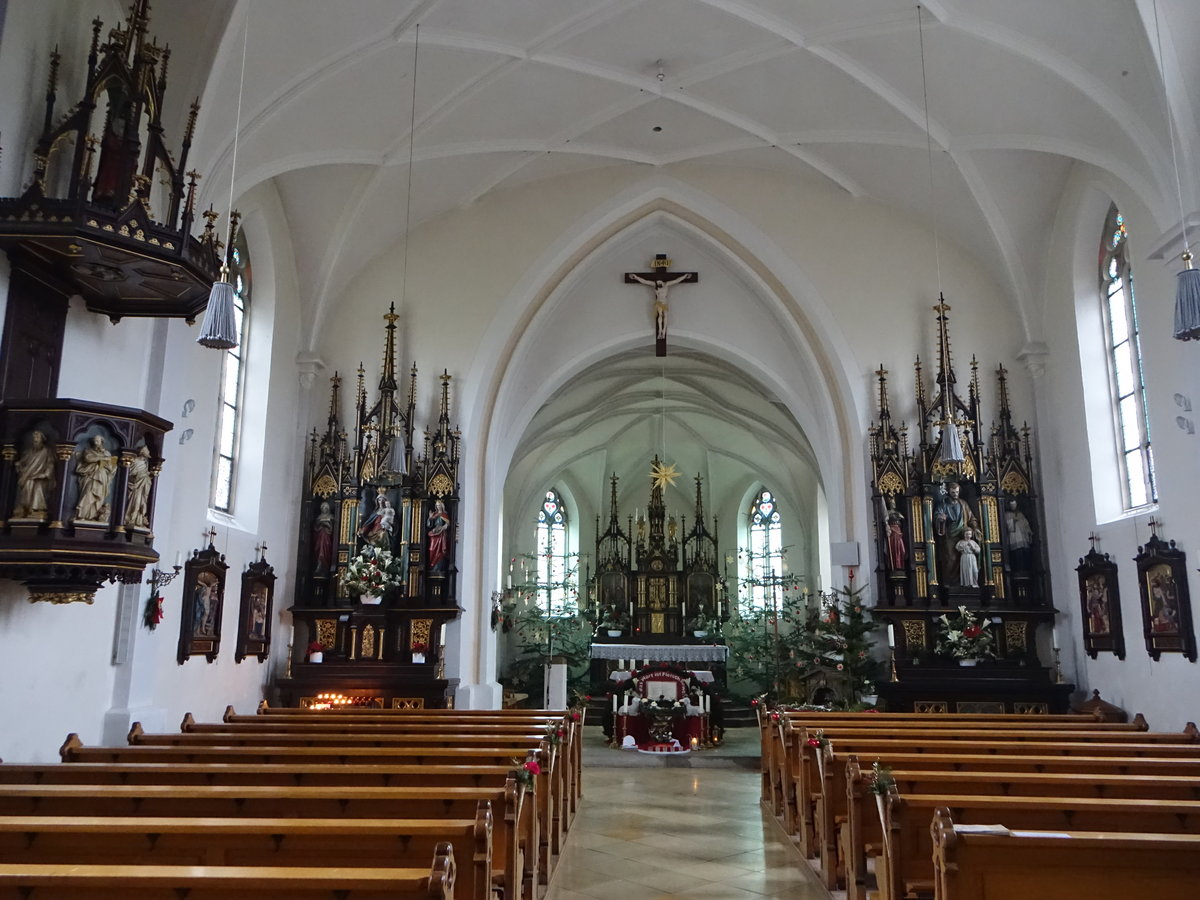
[(372, 572), (966, 636)]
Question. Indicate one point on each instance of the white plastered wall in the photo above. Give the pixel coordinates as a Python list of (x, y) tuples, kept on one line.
[(1083, 494)]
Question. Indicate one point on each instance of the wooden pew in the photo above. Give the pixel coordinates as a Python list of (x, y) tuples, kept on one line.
[(117, 882), (862, 827), (175, 841), (414, 723), (279, 775), (905, 867), (575, 717), (848, 824), (802, 785), (776, 735), (514, 842), (1073, 865), (551, 801)]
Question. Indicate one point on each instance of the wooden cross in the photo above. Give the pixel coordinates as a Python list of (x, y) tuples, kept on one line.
[(660, 280), (1093, 537)]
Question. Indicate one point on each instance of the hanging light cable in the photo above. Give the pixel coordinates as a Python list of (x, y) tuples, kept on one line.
[(951, 445), (219, 329), (1187, 293)]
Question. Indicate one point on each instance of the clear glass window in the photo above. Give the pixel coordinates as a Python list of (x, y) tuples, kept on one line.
[(232, 383), (1126, 380)]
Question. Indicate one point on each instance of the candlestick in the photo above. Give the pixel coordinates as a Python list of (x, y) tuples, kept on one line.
[(895, 677), (1058, 676)]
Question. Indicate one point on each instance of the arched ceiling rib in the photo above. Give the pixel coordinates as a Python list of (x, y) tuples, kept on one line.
[(827, 89)]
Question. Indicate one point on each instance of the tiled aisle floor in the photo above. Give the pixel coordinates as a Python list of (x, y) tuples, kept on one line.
[(677, 834)]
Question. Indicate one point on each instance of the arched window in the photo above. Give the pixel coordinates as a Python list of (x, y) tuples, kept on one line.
[(556, 593), (233, 376), (1126, 383), (765, 557)]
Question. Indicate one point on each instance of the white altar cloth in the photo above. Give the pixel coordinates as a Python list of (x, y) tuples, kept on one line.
[(664, 652)]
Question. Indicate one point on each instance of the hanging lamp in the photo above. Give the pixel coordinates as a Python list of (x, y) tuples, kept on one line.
[(950, 445), (219, 329), (1187, 290)]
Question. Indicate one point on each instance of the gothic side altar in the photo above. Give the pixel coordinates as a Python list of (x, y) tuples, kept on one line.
[(376, 495), (958, 525)]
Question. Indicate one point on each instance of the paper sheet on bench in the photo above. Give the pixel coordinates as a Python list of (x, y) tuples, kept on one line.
[(981, 829)]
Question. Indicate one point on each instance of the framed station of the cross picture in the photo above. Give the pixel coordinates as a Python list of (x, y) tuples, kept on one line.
[(1166, 604), (254, 612), (203, 599), (1100, 601)]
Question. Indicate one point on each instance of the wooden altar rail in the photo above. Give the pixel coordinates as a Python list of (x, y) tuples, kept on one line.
[(778, 733), (509, 803), (176, 841), (844, 854), (106, 882), (553, 804), (905, 867), (801, 779), (1073, 865)]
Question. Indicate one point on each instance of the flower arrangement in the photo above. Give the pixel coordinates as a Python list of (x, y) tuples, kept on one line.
[(881, 779), (613, 619), (818, 739), (418, 647), (555, 734), (700, 622), (315, 647), (526, 772), (966, 636), (372, 572), (152, 614)]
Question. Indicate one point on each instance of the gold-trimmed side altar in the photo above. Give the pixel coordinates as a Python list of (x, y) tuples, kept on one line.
[(377, 492)]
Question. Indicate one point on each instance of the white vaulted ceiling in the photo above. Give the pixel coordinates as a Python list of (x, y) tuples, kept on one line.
[(513, 91)]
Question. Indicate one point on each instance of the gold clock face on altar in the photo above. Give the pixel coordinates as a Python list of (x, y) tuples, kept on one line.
[(656, 565)]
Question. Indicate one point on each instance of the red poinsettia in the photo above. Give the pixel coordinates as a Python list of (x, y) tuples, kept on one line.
[(972, 631)]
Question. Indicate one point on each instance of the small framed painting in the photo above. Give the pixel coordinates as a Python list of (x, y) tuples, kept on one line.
[(254, 615), (1100, 601), (1166, 604), (203, 598)]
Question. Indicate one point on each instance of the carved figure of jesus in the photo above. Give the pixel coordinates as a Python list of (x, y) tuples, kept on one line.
[(660, 289)]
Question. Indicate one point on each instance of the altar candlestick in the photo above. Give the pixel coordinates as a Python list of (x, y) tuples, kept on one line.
[(891, 635)]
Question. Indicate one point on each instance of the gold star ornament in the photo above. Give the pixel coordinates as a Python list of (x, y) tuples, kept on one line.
[(662, 475)]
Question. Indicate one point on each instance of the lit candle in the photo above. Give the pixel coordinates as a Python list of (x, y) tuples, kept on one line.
[(695, 743), (891, 635)]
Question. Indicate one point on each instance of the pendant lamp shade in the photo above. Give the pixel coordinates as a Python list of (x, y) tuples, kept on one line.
[(1187, 303), (952, 451), (219, 330)]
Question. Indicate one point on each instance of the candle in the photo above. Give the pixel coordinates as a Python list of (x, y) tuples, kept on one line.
[(695, 743), (891, 635), (614, 703), (178, 559), (510, 581), (1054, 636)]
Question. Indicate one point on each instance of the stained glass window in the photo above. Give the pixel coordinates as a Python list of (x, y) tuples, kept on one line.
[(229, 403), (555, 587), (765, 559), (1126, 381)]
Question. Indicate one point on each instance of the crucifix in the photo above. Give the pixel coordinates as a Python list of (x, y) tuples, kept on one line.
[(660, 280)]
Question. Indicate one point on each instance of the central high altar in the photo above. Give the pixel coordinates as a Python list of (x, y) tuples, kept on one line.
[(657, 582)]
